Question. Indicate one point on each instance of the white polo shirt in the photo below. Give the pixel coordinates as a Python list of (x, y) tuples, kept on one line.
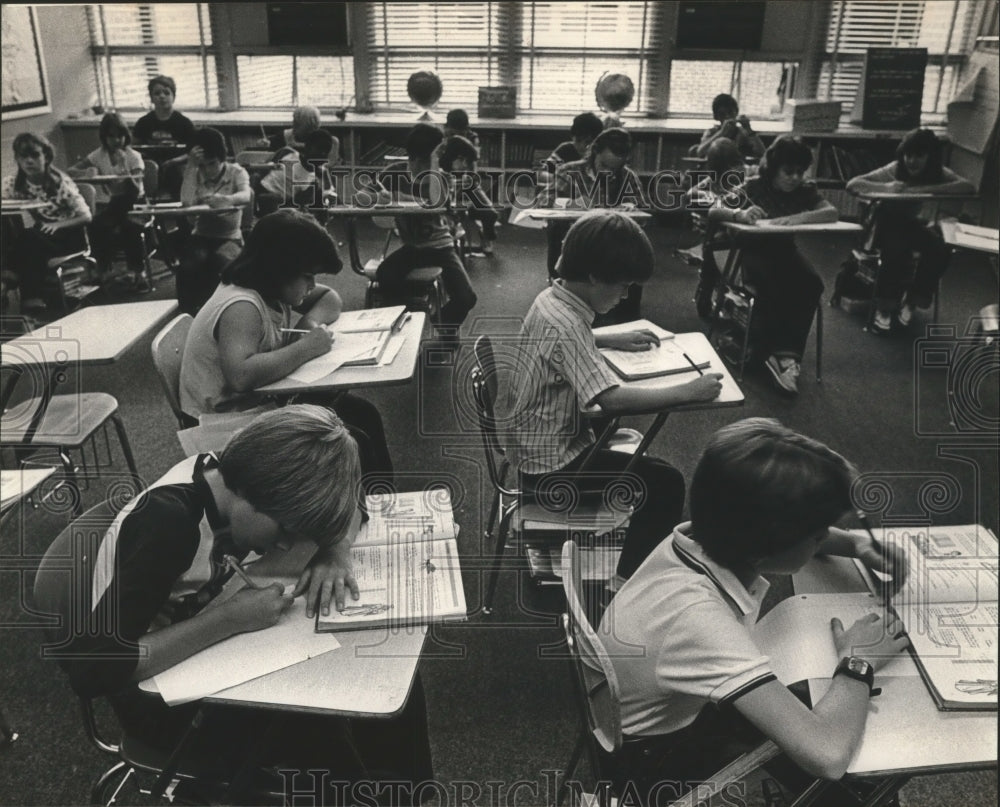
[(678, 634)]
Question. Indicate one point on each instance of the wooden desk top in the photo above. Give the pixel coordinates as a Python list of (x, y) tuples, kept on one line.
[(95, 335), (104, 179), (762, 228), (907, 196), (14, 207), (905, 732), (697, 346), (173, 211), (16, 484), (400, 371), (574, 213), (394, 210), (981, 239)]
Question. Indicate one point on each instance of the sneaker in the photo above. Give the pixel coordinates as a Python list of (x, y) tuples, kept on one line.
[(905, 314), (785, 372), (882, 322), (487, 247), (703, 300)]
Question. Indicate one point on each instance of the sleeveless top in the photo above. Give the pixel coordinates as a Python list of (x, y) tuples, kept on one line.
[(203, 387)]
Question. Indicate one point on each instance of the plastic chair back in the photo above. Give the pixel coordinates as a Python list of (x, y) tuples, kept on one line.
[(150, 179), (168, 351)]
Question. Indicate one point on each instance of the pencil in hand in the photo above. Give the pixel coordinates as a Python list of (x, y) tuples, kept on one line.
[(234, 564)]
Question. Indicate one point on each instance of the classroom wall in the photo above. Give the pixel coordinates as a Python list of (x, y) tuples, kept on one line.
[(65, 50)]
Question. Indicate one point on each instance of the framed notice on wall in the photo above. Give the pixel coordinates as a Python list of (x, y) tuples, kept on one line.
[(891, 89), (25, 89), (498, 102)]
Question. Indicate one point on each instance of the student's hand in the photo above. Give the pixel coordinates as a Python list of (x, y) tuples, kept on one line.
[(215, 201), (50, 227), (730, 129), (317, 342), (634, 341), (196, 155), (704, 388), (329, 575), (897, 186), (744, 121), (887, 559), (258, 608), (779, 221), (750, 216), (873, 638)]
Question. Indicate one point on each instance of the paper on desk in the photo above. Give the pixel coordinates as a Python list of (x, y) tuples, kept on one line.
[(345, 348), (522, 218), (796, 635), (392, 349), (243, 657)]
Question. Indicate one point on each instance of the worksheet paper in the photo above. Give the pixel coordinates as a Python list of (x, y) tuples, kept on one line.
[(243, 657)]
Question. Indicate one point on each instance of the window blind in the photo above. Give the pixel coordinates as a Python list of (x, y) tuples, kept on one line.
[(132, 42), (282, 81), (941, 26)]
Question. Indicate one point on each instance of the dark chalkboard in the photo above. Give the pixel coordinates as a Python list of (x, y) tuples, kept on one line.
[(891, 88)]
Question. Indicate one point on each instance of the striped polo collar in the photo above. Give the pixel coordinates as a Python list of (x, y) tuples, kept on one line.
[(691, 554), (564, 296)]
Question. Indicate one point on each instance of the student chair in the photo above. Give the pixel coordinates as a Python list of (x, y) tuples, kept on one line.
[(64, 574), (74, 271), (866, 261), (732, 317), (168, 350), (513, 515), (599, 697), (423, 286), (69, 424)]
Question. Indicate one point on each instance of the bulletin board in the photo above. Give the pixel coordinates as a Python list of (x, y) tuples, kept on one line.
[(25, 90)]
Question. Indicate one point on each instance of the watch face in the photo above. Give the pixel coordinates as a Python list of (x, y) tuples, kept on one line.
[(858, 665)]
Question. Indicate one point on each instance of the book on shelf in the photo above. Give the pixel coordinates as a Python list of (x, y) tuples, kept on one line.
[(667, 358), (406, 564), (949, 608)]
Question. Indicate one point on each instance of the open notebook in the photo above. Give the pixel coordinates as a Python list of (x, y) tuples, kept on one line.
[(667, 358)]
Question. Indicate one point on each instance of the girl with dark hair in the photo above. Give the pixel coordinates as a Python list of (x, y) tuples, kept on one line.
[(900, 232), (458, 157), (111, 226), (788, 287), (53, 230), (240, 338)]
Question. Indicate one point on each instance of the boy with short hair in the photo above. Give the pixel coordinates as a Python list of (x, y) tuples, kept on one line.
[(586, 126), (456, 124), (290, 475), (302, 177), (695, 689), (732, 125), (427, 239), (560, 372)]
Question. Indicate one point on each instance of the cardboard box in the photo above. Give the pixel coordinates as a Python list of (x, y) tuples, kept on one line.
[(813, 116)]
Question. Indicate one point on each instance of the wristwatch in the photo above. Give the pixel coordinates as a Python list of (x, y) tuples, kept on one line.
[(858, 669)]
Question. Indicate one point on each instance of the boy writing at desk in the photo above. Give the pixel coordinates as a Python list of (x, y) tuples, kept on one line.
[(560, 372), (290, 475), (695, 689)]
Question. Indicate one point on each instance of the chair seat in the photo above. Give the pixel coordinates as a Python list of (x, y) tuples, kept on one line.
[(62, 259), (69, 419), (625, 441), (420, 276), (592, 515)]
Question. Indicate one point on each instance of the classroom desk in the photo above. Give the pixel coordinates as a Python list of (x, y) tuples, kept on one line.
[(954, 236), (14, 207), (170, 210), (351, 214), (697, 346), (763, 228), (88, 336), (369, 675), (571, 214), (104, 179), (18, 483), (400, 371), (905, 735)]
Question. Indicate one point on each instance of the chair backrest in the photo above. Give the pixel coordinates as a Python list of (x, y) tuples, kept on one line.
[(150, 179), (597, 684), (485, 389), (168, 350), (62, 589), (89, 194)]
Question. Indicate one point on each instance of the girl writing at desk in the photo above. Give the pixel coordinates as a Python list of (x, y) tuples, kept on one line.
[(899, 231), (241, 338)]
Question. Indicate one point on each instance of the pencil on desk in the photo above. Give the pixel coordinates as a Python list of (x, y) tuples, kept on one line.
[(234, 564), (293, 330), (695, 366)]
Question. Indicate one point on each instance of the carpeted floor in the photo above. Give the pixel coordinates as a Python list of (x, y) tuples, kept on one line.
[(502, 718)]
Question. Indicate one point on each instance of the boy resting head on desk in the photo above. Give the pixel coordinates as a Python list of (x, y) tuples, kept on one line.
[(290, 475), (695, 689), (560, 372)]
